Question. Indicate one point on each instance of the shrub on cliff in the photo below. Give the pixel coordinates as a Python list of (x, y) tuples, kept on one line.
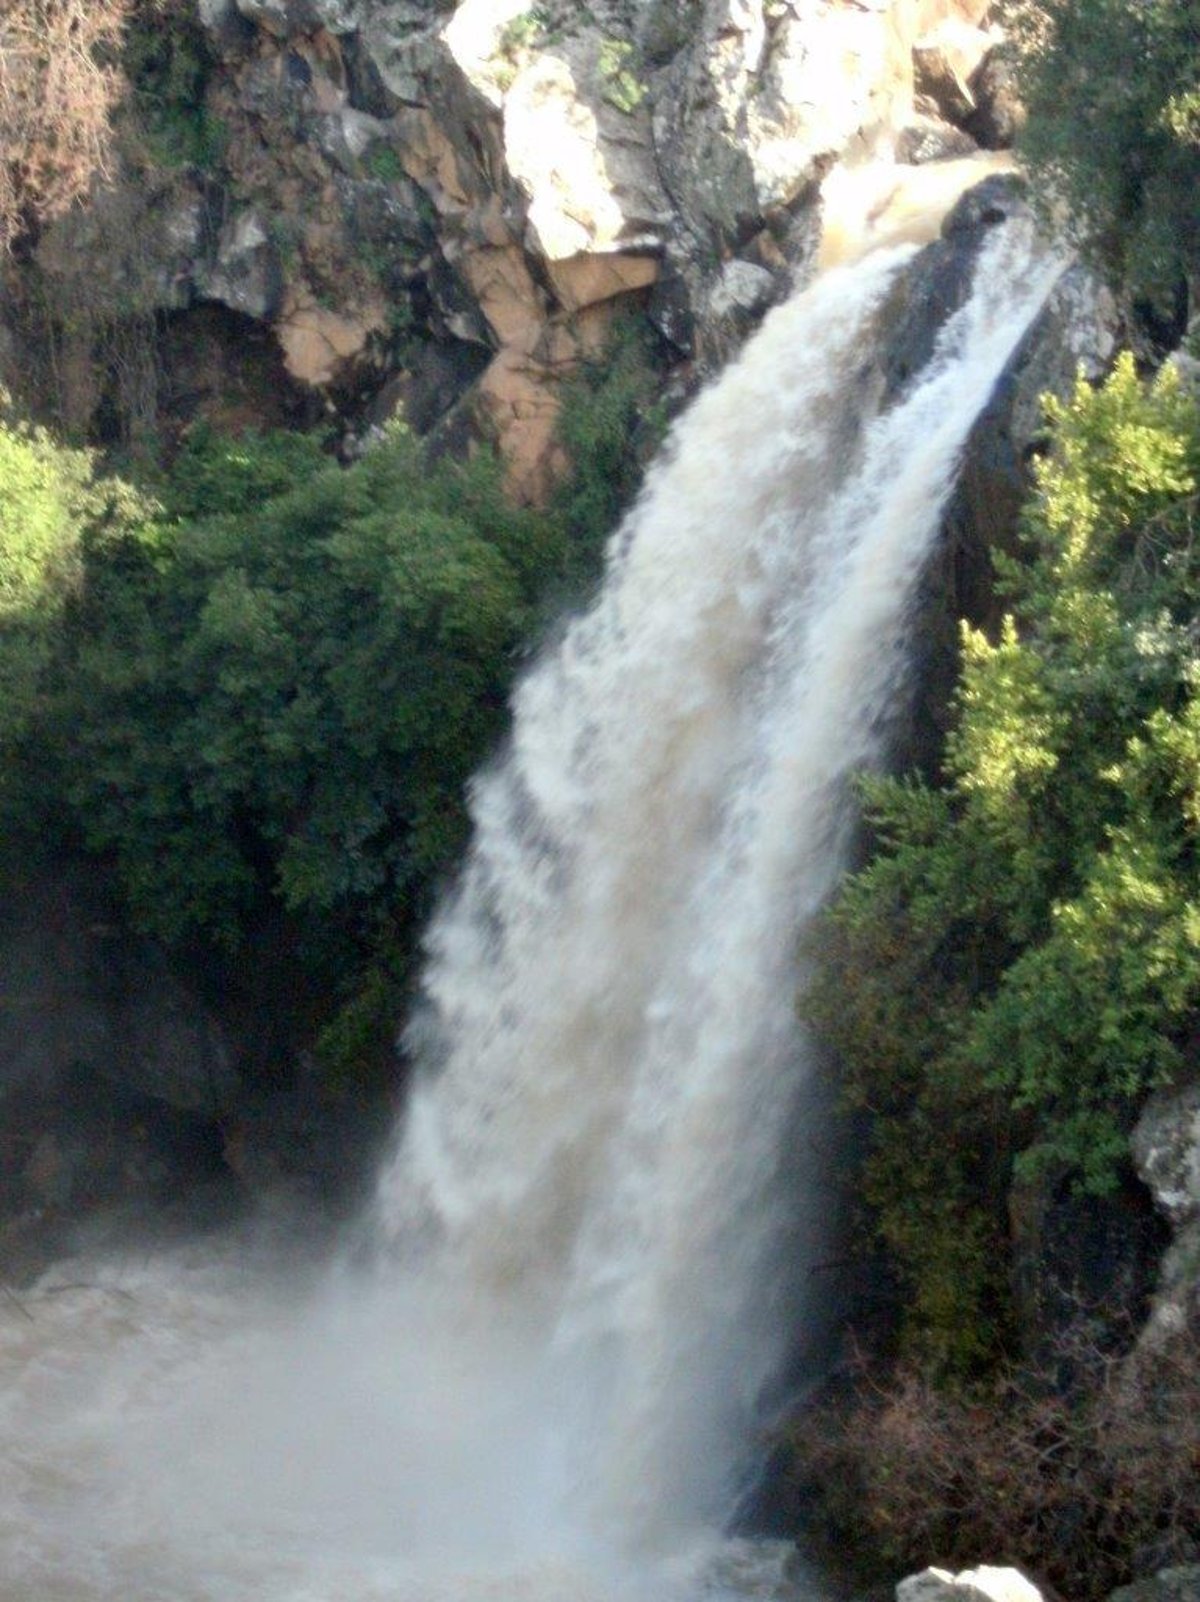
[(50, 499), (1019, 961), (265, 689), (280, 683), (1084, 1488), (610, 424), (1113, 95), (258, 688)]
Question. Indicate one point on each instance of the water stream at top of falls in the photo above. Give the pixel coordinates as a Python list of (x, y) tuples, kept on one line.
[(593, 1237)]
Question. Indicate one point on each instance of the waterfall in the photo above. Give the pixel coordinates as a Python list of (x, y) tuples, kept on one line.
[(595, 1233)]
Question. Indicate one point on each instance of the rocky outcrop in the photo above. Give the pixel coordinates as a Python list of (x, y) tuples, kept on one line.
[(399, 182), (984, 1584), (945, 62), (114, 1075), (135, 1093), (1077, 331), (1179, 1584), (1166, 1149)]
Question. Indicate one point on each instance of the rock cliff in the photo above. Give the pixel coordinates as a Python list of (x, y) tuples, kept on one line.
[(406, 204)]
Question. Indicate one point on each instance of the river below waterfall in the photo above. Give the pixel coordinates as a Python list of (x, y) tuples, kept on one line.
[(541, 1368)]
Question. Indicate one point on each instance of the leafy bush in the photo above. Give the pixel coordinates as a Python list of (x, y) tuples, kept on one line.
[(609, 425), (1019, 962), (1114, 126), (48, 499), (620, 85), (168, 62), (258, 688), (272, 690)]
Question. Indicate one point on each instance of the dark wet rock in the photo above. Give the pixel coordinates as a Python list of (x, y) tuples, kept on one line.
[(998, 115)]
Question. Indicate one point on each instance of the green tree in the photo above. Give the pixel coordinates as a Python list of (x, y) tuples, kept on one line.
[(49, 498), (1019, 962), (258, 688), (285, 694), (1112, 89)]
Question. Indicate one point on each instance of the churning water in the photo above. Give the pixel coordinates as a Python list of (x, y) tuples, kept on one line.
[(591, 1244)]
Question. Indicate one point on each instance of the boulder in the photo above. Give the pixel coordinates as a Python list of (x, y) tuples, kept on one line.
[(741, 290), (283, 18), (1180, 1584), (229, 29), (586, 166), (586, 280), (244, 273), (971, 1585), (1166, 1150), (929, 139), (944, 63), (998, 116), (320, 345)]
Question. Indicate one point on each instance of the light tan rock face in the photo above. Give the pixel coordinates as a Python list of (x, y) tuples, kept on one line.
[(513, 306), (587, 167), (518, 396), (319, 344), (669, 149), (794, 123), (586, 280), (422, 191)]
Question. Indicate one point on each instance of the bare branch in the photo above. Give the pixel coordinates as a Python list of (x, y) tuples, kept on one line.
[(58, 87)]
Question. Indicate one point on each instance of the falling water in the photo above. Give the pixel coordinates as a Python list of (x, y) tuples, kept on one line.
[(592, 1241)]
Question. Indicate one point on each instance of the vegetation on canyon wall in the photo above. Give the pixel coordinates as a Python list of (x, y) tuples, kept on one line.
[(1017, 964), (254, 686), (1019, 961), (59, 85), (1081, 1484), (84, 82), (1112, 89), (258, 682)]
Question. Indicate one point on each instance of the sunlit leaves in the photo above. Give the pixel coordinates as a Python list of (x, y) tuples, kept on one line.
[(1019, 961)]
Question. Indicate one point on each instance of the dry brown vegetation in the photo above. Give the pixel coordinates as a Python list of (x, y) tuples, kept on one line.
[(59, 83), (1084, 1475)]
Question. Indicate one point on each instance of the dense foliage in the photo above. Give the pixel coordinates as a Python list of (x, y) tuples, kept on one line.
[(1113, 95), (610, 423), (289, 688), (46, 494), (1019, 961), (257, 686)]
